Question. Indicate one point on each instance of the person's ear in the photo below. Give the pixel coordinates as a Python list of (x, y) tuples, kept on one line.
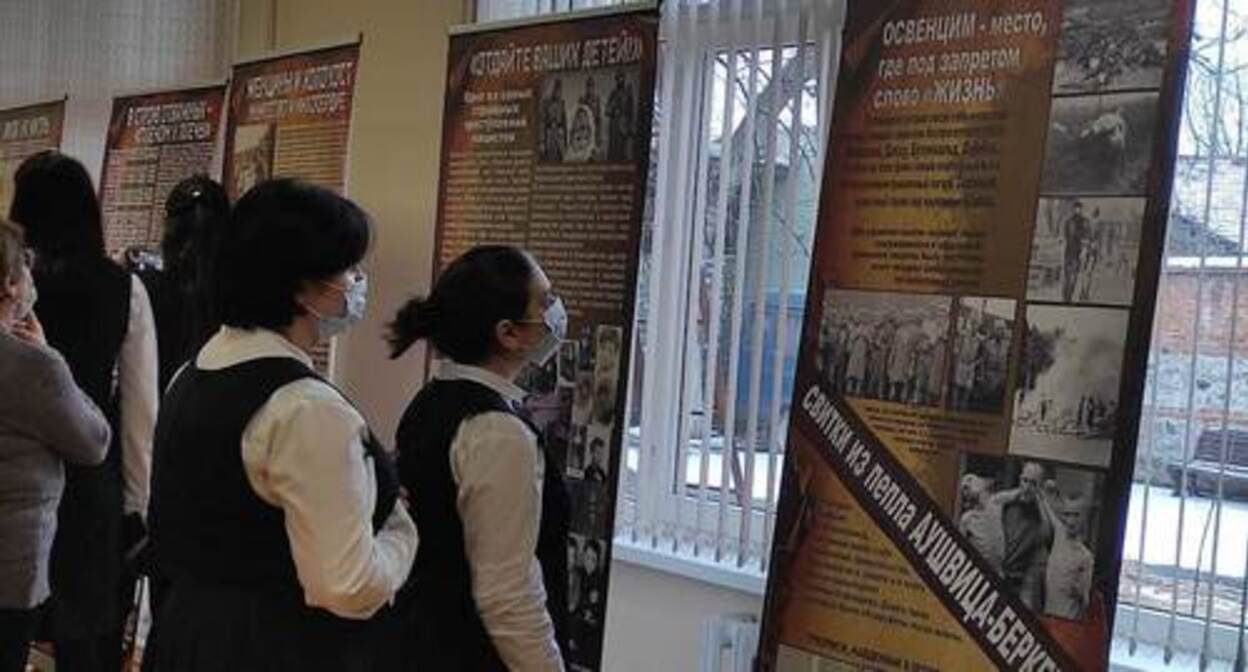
[(509, 335)]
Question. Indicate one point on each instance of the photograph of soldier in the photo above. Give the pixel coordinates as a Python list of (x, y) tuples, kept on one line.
[(1066, 406), (1100, 144), (1110, 45), (621, 117), (553, 127), (1085, 250)]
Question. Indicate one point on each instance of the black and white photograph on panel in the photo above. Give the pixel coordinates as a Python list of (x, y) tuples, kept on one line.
[(1066, 406), (1111, 45), (607, 352), (578, 437), (891, 347), (576, 544), (1085, 250), (982, 342), (583, 397), (597, 460), (591, 507), (586, 617), (1100, 144), (568, 363), (588, 116), (1035, 523), (540, 380)]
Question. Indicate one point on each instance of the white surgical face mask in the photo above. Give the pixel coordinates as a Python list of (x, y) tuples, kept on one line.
[(356, 296), (556, 321)]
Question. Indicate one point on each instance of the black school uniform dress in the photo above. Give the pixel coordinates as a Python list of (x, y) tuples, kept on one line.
[(443, 626), (235, 601), (84, 306)]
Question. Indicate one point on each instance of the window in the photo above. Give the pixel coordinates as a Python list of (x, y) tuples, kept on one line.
[(741, 117), (1182, 592)]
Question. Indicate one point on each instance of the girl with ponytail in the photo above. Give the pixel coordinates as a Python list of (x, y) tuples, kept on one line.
[(488, 590)]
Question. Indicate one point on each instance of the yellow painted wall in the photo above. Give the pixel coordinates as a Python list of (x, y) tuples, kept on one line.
[(395, 141)]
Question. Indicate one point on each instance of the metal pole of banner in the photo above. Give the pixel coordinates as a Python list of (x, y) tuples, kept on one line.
[(1200, 283)]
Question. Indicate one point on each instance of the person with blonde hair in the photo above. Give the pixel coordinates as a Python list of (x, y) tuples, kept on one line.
[(51, 423)]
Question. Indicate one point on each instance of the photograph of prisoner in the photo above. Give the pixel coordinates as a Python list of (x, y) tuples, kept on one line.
[(984, 332), (588, 116), (1100, 144), (1066, 406), (1085, 250), (891, 347), (903, 348), (1111, 45), (1035, 525)]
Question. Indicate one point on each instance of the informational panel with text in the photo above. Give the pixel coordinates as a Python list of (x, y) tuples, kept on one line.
[(545, 145), (290, 116), (155, 140), (973, 359), (25, 131)]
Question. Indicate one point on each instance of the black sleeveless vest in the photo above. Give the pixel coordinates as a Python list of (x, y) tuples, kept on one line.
[(84, 306), (443, 626), (207, 524)]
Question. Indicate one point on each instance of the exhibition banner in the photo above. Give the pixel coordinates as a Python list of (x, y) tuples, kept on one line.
[(545, 145), (25, 131), (155, 140), (971, 374), (290, 116)]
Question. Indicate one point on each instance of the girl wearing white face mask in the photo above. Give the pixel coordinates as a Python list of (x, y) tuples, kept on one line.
[(275, 515), (489, 589), (50, 423)]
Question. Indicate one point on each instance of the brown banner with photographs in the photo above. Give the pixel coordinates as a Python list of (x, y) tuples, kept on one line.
[(973, 358), (25, 131), (290, 116), (155, 140), (545, 145)]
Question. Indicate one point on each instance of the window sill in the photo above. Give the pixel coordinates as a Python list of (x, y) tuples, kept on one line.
[(718, 574)]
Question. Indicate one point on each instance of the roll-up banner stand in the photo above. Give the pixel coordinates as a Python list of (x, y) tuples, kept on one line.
[(155, 140), (289, 115), (25, 131), (546, 145), (970, 380)]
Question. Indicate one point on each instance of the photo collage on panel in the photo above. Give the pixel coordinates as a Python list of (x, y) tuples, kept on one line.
[(1035, 513), (590, 371)]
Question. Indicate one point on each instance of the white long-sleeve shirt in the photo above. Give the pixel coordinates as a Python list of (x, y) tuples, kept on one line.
[(138, 380), (303, 452), (498, 471)]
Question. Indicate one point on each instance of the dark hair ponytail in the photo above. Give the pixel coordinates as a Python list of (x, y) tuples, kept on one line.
[(415, 321), (475, 292)]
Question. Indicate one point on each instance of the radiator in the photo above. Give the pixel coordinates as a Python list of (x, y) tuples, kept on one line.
[(729, 642)]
